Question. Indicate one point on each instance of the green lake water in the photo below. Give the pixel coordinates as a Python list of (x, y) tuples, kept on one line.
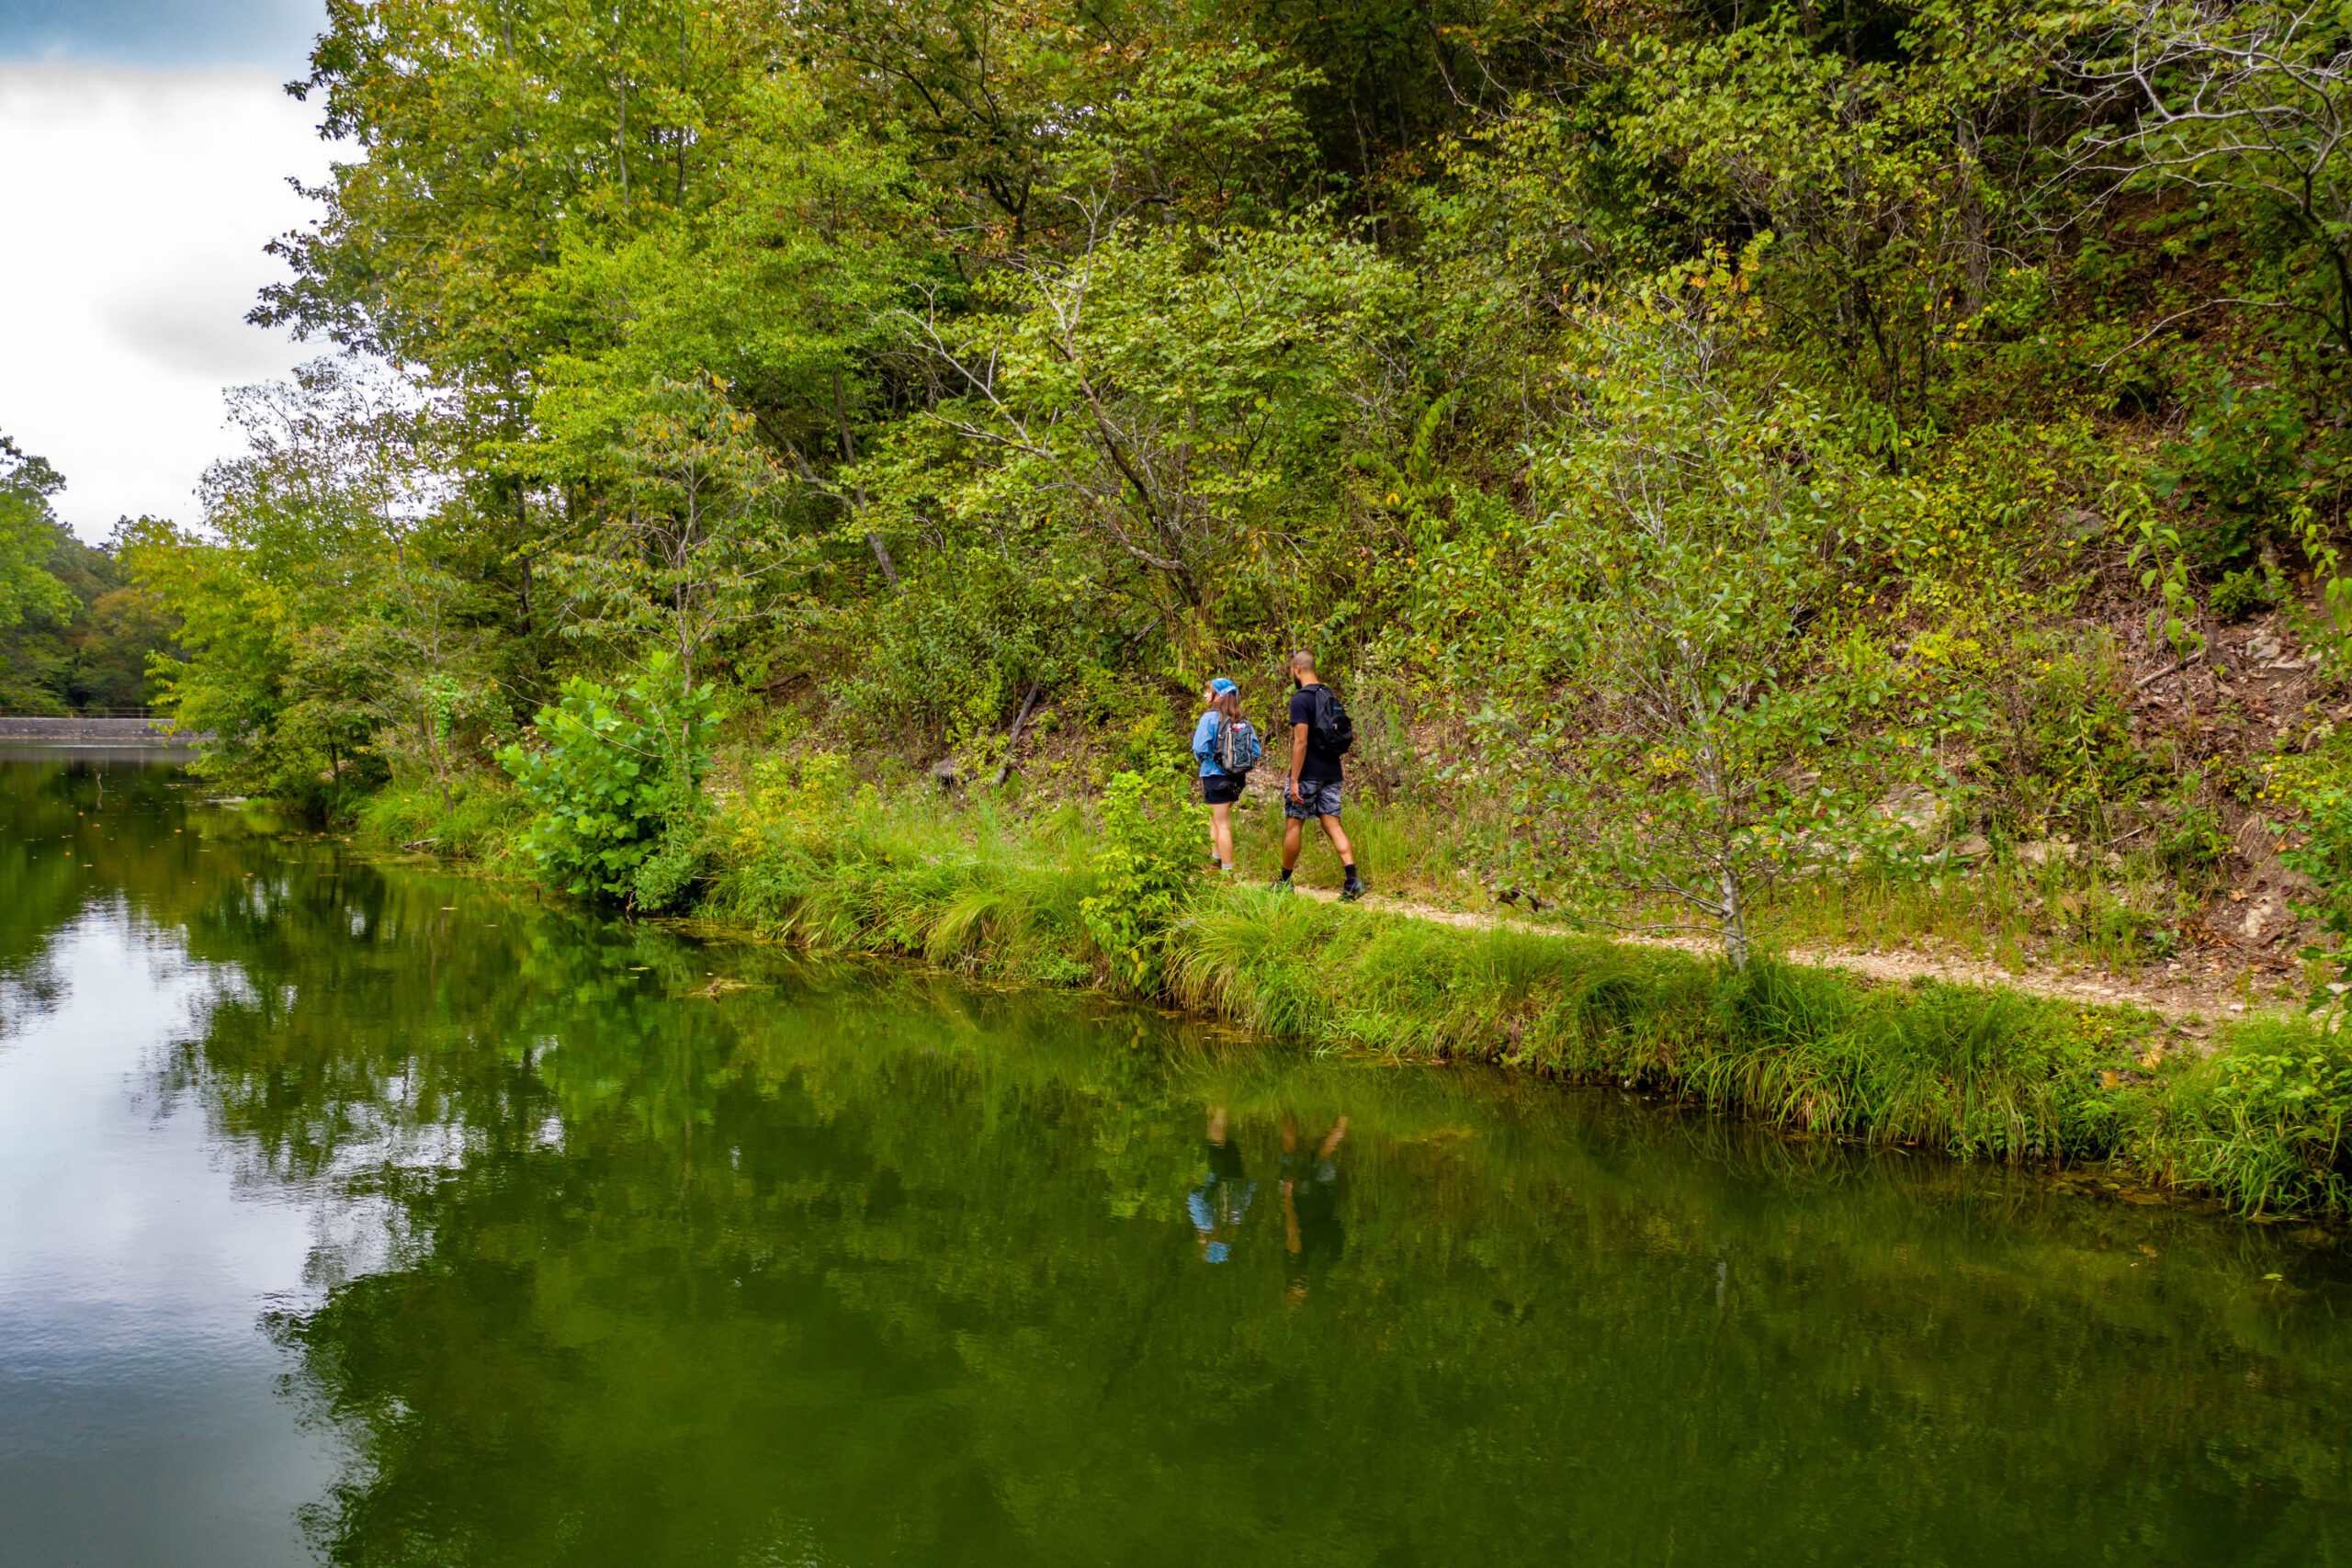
[(356, 1211)]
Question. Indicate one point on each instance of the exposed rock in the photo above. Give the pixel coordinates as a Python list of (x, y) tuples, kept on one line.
[(2081, 523), (946, 774), (2265, 916), (1973, 846), (2263, 647), (1921, 810), (2047, 851)]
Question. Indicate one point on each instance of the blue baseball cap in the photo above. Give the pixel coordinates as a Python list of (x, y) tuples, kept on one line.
[(1221, 685)]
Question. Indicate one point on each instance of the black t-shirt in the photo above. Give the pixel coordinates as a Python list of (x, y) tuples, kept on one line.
[(1321, 766)]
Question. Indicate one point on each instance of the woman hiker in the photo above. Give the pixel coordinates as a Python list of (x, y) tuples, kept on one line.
[(1226, 748)]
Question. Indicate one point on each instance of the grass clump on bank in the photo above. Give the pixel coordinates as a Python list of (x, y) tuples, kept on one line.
[(2263, 1122), (476, 820), (802, 858)]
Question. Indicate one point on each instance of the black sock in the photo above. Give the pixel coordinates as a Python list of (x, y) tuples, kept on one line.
[(1285, 874)]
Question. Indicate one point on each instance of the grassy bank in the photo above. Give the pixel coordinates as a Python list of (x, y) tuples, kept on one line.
[(1973, 1071)]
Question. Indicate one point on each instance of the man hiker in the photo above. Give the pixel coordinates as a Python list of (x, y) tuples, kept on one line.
[(1321, 733)]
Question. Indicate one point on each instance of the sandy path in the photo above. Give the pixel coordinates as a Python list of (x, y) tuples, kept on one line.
[(2192, 1006)]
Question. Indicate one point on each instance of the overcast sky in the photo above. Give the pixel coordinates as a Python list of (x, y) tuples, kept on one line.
[(146, 145)]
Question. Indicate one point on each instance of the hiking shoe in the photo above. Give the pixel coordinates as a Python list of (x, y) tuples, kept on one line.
[(1352, 889), (1281, 885)]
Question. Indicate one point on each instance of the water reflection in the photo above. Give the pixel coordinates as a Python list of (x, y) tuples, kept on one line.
[(1312, 1234), (602, 1264), (1220, 1203)]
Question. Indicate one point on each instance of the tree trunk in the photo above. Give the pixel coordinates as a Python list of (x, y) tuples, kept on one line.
[(849, 453), (1020, 723), (1734, 916)]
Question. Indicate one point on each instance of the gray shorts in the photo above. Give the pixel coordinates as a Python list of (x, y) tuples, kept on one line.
[(1315, 799)]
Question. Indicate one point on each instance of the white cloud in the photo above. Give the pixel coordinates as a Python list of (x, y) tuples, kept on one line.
[(139, 202)]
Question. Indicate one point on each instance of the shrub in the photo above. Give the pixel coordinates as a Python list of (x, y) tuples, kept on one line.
[(2193, 842), (1144, 871), (2317, 786), (2263, 1121), (613, 779), (2241, 593)]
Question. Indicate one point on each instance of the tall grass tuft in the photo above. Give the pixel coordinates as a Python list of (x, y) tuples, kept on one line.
[(2265, 1122), (480, 820)]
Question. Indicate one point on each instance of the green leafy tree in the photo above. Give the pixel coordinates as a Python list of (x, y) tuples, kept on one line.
[(1870, 180), (1708, 731), (1179, 399), (684, 546), (282, 605), (779, 292), (26, 532), (2245, 107)]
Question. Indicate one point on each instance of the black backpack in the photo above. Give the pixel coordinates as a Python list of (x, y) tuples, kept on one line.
[(1334, 731)]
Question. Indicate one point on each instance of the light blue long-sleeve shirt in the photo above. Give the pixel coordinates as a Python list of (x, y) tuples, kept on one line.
[(1205, 744)]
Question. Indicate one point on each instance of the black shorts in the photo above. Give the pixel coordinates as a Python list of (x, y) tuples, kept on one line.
[(1220, 789)]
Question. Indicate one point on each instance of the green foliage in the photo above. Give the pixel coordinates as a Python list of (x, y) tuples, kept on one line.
[(684, 545), (2163, 561), (2240, 109), (2240, 457), (2241, 593), (807, 858), (481, 820), (1868, 175), (2264, 1121), (1705, 439), (92, 654), (613, 778), (1690, 559), (1144, 871), (1175, 397), (953, 654), (2079, 739), (319, 629), (27, 585), (2316, 785), (2192, 843)]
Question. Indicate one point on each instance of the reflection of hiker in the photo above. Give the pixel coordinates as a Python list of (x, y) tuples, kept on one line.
[(1227, 749), (1321, 733), (1221, 1201), (1312, 1234)]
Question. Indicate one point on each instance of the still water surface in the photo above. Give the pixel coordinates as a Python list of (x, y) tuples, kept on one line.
[(354, 1212)]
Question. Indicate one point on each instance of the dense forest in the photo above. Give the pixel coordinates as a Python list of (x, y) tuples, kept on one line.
[(1708, 445), (76, 633)]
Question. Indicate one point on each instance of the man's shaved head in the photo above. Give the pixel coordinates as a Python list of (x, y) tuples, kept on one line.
[(1302, 663)]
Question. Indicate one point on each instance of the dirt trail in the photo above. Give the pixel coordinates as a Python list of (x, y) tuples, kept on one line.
[(2191, 1006)]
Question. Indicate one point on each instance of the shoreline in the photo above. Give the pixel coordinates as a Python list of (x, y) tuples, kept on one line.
[(1970, 1070)]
